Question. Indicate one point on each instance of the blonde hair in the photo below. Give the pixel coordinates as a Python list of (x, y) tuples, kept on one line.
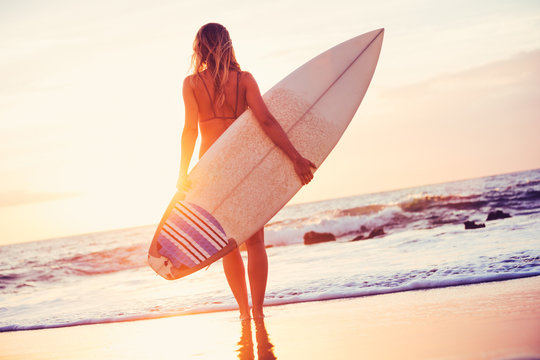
[(213, 51)]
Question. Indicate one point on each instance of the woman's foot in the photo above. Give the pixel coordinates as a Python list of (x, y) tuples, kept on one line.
[(244, 316)]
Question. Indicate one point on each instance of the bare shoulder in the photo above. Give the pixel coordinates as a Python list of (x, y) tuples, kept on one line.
[(189, 86), (189, 89), (189, 81), (247, 80), (246, 76)]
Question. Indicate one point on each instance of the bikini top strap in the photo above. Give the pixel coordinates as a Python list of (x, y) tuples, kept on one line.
[(237, 87), (209, 96)]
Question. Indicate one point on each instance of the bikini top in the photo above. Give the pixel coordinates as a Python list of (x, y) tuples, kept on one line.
[(212, 100)]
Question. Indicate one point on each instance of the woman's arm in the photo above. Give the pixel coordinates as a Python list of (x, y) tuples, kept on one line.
[(189, 134), (274, 130)]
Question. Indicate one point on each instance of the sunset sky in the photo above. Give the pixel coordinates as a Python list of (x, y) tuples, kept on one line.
[(91, 110)]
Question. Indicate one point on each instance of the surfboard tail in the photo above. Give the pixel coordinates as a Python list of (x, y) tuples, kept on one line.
[(164, 267), (188, 239)]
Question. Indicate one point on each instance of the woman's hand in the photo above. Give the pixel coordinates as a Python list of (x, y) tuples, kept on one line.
[(183, 184), (303, 166)]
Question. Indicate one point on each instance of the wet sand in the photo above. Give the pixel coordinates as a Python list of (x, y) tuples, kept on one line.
[(499, 320)]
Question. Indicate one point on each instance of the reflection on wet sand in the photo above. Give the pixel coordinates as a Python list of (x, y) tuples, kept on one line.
[(265, 349)]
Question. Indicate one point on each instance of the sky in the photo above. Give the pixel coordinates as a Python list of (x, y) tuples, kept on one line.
[(91, 110)]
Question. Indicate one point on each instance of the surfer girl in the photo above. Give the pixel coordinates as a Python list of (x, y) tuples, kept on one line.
[(215, 94)]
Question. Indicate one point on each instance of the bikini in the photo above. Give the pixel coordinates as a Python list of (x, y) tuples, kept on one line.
[(212, 100)]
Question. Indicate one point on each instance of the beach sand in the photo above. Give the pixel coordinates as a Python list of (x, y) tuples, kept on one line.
[(498, 320)]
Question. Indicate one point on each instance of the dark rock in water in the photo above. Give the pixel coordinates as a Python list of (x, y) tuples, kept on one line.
[(376, 232), (473, 225), (359, 237), (313, 237), (496, 215), (362, 229)]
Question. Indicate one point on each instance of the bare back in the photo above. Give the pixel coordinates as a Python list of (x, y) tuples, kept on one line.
[(213, 119)]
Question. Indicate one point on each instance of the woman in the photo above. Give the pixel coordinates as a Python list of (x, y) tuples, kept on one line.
[(214, 96)]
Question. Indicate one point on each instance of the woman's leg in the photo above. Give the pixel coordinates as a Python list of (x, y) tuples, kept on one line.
[(233, 265), (257, 271)]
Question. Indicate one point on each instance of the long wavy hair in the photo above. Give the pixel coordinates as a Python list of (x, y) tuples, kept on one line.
[(213, 51)]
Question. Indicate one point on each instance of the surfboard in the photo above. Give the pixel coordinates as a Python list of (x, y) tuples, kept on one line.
[(243, 180)]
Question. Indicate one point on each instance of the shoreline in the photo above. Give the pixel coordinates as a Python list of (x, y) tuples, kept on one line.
[(496, 320), (145, 317)]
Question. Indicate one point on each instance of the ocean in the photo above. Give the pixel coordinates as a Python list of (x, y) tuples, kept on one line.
[(103, 277)]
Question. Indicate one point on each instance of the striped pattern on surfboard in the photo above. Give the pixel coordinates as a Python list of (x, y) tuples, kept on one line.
[(190, 235)]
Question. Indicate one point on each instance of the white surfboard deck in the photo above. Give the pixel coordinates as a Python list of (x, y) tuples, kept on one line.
[(243, 180)]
